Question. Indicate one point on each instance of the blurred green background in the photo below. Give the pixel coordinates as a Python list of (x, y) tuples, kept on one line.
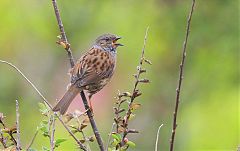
[(209, 111)]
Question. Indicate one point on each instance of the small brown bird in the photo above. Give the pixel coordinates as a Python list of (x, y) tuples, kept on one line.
[(92, 71)]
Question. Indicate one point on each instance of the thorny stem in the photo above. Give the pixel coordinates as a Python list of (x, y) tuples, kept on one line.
[(178, 90), (18, 147), (89, 112), (47, 103), (117, 112), (129, 111)]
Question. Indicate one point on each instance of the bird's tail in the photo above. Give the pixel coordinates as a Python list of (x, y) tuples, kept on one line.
[(63, 104)]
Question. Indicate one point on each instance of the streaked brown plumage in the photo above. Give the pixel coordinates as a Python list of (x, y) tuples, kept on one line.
[(92, 71)]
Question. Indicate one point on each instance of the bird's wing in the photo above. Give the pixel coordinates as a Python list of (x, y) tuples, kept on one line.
[(95, 65)]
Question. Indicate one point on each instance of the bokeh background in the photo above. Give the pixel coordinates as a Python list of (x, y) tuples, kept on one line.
[(209, 111)]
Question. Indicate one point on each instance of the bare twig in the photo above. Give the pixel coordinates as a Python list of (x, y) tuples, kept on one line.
[(63, 34), (66, 45), (129, 111), (32, 140), (178, 90), (18, 148), (156, 143), (34, 87), (46, 101), (52, 143)]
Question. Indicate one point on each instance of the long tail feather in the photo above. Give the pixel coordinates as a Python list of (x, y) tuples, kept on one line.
[(63, 104)]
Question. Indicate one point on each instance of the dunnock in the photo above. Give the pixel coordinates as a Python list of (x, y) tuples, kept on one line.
[(92, 71)]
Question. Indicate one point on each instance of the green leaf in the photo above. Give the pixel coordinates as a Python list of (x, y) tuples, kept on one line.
[(135, 106), (111, 149), (123, 149), (114, 143), (59, 141), (131, 144), (45, 122), (132, 116), (44, 128), (117, 137), (5, 134), (42, 108)]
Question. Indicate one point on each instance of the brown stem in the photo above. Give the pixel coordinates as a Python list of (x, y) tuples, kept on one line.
[(178, 90), (129, 111), (93, 124), (46, 101), (68, 49), (62, 31)]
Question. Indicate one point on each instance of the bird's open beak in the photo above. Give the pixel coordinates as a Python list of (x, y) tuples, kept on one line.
[(115, 42), (117, 38)]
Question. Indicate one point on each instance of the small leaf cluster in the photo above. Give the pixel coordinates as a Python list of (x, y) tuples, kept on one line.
[(46, 126), (78, 121), (7, 138)]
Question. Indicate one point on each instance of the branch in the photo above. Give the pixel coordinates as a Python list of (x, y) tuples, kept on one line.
[(129, 111), (64, 42), (93, 124), (46, 101), (18, 148), (156, 143), (178, 90)]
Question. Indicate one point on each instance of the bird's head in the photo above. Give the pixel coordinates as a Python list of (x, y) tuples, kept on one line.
[(108, 42)]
